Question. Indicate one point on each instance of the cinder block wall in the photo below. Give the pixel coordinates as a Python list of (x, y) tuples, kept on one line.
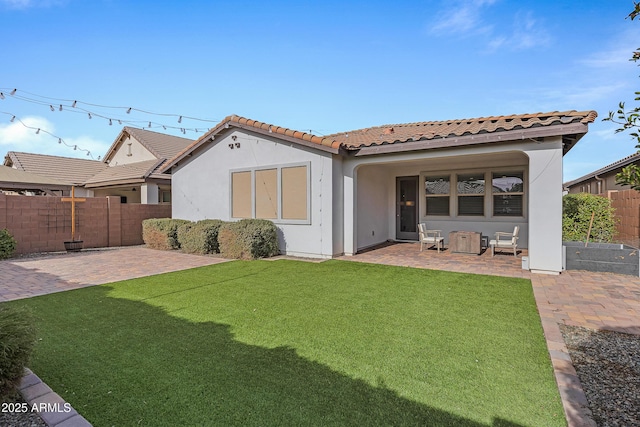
[(43, 224)]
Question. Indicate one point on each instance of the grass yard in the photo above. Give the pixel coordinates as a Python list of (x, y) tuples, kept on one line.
[(292, 343)]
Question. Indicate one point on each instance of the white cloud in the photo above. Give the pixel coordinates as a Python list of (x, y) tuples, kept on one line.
[(28, 4), (466, 18), (462, 17), (527, 33), (22, 136)]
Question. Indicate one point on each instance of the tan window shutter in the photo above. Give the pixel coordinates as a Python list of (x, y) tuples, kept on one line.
[(241, 194), (294, 192), (267, 194)]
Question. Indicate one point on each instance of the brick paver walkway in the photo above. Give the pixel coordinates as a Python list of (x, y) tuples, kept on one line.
[(28, 277), (579, 298)]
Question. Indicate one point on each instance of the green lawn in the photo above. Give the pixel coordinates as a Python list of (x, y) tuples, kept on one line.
[(292, 343)]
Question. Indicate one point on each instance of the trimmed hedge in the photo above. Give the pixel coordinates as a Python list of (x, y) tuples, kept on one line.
[(7, 244), (248, 239), (200, 237), (576, 216), (17, 339), (162, 233)]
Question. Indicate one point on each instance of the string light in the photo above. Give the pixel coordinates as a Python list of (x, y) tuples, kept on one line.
[(13, 92), (89, 115), (1, 95), (51, 107), (40, 130)]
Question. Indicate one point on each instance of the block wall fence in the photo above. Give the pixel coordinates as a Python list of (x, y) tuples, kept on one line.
[(43, 224)]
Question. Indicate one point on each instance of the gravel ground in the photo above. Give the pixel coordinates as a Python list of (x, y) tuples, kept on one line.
[(10, 417), (608, 365)]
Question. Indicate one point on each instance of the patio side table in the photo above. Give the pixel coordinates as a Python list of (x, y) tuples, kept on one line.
[(465, 242)]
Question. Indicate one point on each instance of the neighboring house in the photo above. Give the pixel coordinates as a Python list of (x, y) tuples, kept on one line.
[(130, 169), (342, 193), (13, 181), (604, 179)]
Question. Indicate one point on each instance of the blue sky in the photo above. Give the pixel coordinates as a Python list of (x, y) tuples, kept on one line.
[(325, 66)]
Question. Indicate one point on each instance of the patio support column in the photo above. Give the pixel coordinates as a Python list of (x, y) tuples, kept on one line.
[(545, 208), (349, 193), (149, 194)]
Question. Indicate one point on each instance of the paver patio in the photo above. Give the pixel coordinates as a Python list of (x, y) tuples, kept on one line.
[(592, 300), (56, 272)]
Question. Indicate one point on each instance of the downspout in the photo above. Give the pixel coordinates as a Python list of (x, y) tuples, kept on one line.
[(602, 189)]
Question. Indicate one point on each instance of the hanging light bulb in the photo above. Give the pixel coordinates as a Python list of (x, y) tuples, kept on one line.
[(60, 107), (75, 147), (12, 119), (74, 104), (119, 122), (38, 131), (51, 107), (164, 127), (13, 92), (59, 140), (129, 110), (89, 115), (180, 119), (110, 123), (88, 153), (149, 125), (1, 95)]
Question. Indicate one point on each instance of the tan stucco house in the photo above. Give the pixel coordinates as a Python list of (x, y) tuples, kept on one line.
[(130, 168), (602, 180), (341, 193)]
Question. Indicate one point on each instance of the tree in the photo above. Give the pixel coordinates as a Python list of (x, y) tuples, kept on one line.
[(629, 119)]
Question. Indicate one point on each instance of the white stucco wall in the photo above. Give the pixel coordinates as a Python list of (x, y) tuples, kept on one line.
[(201, 187), (138, 153), (545, 199), (540, 227)]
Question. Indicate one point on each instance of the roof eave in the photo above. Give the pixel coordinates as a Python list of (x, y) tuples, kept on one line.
[(468, 140)]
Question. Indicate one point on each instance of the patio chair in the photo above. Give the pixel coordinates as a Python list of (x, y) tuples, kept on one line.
[(505, 241), (430, 237)]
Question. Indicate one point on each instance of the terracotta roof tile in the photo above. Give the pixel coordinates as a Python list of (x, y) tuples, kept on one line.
[(138, 170), (402, 133)]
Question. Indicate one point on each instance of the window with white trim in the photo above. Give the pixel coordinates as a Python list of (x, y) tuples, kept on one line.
[(437, 189), (470, 194), (508, 193)]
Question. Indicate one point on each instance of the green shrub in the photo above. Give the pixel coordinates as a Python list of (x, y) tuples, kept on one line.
[(576, 216), (200, 237), (17, 338), (7, 244), (248, 239), (162, 233)]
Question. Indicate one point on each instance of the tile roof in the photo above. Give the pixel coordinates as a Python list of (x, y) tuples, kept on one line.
[(441, 131), (399, 133), (126, 172), (633, 158), (161, 145), (65, 169), (19, 177)]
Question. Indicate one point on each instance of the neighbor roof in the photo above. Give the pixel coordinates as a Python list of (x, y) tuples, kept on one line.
[(124, 173), (17, 179), (572, 125), (633, 158), (65, 169), (161, 145)]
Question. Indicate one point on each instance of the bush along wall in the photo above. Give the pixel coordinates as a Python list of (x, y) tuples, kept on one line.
[(248, 239), (7, 244), (162, 233), (577, 210), (17, 339), (200, 237)]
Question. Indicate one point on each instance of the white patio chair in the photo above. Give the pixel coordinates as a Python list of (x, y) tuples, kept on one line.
[(430, 237), (505, 241)]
